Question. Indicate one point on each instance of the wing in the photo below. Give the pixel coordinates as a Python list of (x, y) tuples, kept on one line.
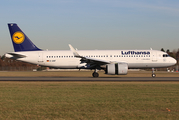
[(91, 61)]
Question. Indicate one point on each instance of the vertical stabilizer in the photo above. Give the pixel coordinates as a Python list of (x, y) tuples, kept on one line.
[(20, 41)]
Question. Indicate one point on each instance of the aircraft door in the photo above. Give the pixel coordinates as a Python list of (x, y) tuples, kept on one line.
[(40, 58), (154, 56)]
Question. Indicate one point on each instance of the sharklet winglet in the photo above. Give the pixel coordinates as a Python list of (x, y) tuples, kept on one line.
[(75, 53)]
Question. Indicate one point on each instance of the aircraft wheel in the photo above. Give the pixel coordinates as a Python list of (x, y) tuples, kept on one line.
[(153, 75), (95, 74)]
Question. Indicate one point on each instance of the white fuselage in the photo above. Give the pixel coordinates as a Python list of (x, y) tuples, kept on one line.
[(66, 59)]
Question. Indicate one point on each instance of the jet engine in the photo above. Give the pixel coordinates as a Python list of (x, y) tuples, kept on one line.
[(117, 69)]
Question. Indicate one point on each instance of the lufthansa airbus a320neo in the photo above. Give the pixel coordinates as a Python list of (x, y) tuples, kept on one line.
[(113, 62)]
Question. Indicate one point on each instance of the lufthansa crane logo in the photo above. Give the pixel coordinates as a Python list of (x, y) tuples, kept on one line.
[(18, 37)]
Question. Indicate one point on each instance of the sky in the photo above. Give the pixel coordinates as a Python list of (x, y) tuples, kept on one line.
[(92, 24)]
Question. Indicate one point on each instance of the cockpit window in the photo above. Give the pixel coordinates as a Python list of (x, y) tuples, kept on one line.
[(165, 55)]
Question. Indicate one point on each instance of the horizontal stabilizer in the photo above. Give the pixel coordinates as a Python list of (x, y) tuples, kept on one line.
[(17, 55), (13, 56)]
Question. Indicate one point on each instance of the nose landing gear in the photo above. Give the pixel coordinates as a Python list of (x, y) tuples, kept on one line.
[(153, 74)]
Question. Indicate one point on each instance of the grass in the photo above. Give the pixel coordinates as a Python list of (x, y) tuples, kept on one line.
[(83, 74), (89, 100)]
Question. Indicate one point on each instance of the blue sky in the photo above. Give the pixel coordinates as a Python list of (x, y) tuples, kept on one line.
[(93, 24)]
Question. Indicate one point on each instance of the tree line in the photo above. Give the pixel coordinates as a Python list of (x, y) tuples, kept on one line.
[(7, 64)]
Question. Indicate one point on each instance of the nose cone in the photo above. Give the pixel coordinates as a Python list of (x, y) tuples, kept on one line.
[(173, 61)]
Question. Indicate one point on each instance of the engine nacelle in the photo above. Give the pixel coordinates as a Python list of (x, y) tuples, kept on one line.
[(117, 69)]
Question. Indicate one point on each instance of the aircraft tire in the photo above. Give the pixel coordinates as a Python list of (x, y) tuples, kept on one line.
[(153, 75), (95, 74)]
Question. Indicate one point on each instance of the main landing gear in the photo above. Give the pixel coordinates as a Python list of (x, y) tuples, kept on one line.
[(95, 73), (153, 74)]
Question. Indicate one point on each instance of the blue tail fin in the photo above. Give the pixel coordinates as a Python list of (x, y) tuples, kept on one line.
[(20, 41)]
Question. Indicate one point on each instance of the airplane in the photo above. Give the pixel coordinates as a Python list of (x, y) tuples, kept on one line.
[(113, 62)]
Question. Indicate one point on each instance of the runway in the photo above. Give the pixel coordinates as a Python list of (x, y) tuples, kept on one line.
[(91, 79)]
